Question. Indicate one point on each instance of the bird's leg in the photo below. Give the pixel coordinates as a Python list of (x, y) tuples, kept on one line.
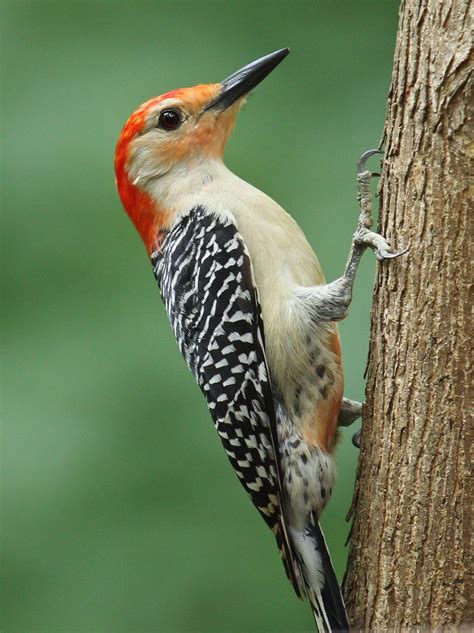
[(331, 302), (363, 237)]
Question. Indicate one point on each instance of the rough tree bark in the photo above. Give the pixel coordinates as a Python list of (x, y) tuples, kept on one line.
[(409, 547)]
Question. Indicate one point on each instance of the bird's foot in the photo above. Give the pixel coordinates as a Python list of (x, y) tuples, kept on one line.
[(364, 236), (382, 249), (349, 412)]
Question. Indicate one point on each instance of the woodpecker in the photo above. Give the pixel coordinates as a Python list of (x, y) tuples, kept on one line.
[(251, 311)]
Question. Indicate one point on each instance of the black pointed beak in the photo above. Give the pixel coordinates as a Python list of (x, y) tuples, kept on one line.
[(245, 79)]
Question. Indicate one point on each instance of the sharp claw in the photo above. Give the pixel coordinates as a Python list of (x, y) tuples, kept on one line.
[(384, 254), (356, 439), (364, 158)]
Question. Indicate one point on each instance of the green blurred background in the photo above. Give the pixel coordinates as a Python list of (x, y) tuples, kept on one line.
[(120, 512)]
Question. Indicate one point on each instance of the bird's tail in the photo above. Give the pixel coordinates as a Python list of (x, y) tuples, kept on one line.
[(320, 580)]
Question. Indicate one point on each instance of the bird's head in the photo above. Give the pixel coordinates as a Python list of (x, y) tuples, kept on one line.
[(174, 131)]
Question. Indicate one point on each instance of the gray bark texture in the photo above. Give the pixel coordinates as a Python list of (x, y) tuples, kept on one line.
[(410, 543)]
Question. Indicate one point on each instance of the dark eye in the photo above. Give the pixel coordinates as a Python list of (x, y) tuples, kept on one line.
[(170, 119)]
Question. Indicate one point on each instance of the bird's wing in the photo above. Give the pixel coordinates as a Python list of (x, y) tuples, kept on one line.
[(205, 276)]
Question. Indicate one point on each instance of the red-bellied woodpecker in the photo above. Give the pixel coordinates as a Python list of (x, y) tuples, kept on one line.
[(251, 311)]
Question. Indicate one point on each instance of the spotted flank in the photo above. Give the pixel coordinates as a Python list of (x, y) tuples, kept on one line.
[(206, 282)]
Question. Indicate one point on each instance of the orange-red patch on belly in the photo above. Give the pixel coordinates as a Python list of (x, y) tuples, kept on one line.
[(321, 431)]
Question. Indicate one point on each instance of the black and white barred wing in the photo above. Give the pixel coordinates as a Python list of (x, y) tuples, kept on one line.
[(206, 282)]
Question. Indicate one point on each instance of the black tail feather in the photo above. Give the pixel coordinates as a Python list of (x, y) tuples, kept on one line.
[(330, 596)]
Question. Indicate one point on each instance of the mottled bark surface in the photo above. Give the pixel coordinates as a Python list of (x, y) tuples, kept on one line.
[(410, 548)]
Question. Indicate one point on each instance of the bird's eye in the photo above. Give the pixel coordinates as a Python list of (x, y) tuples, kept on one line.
[(170, 119)]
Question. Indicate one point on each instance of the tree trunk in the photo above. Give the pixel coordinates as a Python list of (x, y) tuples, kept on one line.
[(410, 545)]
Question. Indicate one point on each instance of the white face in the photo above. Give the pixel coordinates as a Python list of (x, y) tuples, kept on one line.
[(150, 154), (179, 131)]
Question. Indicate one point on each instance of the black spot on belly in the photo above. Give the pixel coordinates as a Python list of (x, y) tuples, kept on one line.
[(323, 492), (297, 401), (320, 370)]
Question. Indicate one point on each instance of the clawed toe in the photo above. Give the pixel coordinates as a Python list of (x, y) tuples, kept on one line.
[(377, 243), (364, 158), (382, 253), (356, 438)]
